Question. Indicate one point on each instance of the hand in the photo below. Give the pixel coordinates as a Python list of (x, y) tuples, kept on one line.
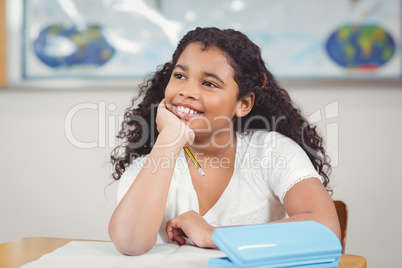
[(192, 225), (165, 119)]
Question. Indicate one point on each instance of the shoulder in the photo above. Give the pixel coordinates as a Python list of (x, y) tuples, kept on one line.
[(278, 146), (129, 175), (137, 163), (281, 160), (262, 139), (133, 168)]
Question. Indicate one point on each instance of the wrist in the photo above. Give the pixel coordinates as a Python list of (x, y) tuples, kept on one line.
[(211, 243), (171, 136)]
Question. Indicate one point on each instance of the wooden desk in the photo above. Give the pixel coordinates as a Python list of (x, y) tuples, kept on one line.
[(18, 252), (15, 253)]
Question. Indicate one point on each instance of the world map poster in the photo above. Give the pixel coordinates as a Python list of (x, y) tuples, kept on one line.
[(299, 39)]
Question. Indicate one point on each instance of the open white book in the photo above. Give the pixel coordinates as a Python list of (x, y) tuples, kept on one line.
[(90, 254)]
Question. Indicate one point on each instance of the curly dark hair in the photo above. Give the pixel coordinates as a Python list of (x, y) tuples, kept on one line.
[(272, 103)]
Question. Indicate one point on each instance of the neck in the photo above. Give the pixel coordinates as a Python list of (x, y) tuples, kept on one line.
[(216, 145)]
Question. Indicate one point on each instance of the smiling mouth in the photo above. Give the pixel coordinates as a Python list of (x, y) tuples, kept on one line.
[(186, 111)]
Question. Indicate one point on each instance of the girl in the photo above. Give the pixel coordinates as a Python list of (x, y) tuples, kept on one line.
[(262, 161)]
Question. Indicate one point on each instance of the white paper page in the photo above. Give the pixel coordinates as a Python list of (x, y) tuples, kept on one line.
[(190, 256), (90, 254)]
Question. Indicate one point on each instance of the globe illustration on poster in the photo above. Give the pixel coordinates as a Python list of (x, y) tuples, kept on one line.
[(129, 39), (362, 47), (59, 46)]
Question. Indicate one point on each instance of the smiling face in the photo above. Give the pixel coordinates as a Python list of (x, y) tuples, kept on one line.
[(202, 91)]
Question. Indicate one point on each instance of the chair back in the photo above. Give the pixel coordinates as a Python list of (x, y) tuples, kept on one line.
[(342, 210)]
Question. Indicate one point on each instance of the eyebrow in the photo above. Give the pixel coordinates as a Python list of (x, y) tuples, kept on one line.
[(207, 74), (184, 68), (214, 76)]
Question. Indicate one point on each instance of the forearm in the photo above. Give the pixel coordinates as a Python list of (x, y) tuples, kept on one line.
[(135, 223), (329, 221), (308, 200)]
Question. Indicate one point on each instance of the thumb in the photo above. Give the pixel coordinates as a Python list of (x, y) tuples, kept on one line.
[(170, 225), (190, 135), (162, 104)]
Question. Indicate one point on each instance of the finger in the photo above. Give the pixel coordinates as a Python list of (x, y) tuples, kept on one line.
[(178, 237), (166, 106), (180, 240), (171, 225), (169, 229), (183, 234), (169, 107), (162, 104)]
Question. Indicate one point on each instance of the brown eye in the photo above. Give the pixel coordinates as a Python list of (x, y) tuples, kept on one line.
[(209, 84), (179, 76)]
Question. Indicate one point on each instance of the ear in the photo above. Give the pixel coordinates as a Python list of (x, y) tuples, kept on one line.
[(245, 104)]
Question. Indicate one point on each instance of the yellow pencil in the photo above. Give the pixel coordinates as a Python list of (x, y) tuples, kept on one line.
[(194, 161)]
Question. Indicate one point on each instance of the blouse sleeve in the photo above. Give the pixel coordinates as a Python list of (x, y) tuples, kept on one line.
[(290, 164), (129, 176)]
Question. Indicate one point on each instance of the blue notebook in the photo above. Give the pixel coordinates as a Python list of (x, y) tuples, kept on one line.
[(291, 244)]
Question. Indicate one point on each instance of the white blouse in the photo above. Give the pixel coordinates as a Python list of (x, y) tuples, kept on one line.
[(267, 165)]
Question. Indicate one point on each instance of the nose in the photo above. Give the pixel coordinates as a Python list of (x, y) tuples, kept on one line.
[(190, 91)]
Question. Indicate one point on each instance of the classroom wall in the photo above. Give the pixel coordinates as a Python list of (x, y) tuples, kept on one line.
[(51, 187)]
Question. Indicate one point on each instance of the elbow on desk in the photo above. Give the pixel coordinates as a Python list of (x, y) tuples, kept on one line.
[(131, 245), (132, 250)]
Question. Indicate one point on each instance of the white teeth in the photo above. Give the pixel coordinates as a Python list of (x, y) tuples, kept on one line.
[(186, 110)]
